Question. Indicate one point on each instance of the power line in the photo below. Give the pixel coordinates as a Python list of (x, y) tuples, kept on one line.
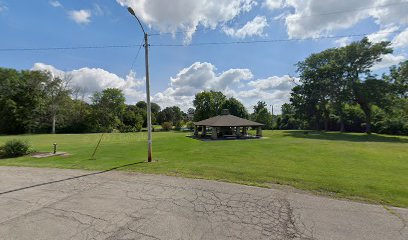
[(198, 44), (267, 40), (137, 55), (66, 48), (295, 17)]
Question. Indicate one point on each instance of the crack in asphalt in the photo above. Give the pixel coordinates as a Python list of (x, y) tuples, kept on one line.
[(206, 213)]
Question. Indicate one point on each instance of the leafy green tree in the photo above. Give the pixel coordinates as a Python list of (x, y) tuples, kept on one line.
[(208, 104), (170, 114), (262, 115), (358, 58), (235, 107), (108, 108)]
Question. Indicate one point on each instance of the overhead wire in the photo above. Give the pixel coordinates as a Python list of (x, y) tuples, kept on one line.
[(199, 43)]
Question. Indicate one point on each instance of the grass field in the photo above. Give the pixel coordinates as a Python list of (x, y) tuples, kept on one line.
[(356, 166)]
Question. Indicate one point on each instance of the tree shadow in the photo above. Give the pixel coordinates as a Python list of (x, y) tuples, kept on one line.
[(350, 137)]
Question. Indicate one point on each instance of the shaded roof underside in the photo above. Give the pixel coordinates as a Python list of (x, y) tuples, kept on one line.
[(227, 121)]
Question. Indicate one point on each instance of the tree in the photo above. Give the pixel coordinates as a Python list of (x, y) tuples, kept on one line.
[(58, 92), (235, 107), (368, 93), (208, 104), (262, 115), (109, 106), (170, 114), (398, 78)]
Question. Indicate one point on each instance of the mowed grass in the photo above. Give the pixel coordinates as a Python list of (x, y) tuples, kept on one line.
[(356, 166)]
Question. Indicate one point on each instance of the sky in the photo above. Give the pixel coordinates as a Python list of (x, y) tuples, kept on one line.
[(262, 40)]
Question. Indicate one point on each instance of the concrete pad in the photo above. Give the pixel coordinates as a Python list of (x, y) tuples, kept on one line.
[(73, 204)]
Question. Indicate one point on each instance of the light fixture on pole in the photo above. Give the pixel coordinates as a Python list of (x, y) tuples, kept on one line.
[(149, 108)]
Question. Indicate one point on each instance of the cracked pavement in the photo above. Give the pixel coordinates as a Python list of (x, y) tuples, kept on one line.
[(120, 205)]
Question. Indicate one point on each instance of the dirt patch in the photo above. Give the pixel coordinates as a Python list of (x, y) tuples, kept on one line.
[(49, 154)]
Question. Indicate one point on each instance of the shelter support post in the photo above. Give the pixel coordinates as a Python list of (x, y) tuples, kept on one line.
[(244, 131), (237, 132), (259, 132), (204, 132), (195, 130), (214, 133)]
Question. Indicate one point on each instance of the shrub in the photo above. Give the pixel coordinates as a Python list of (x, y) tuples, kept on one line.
[(190, 125), (167, 126), (15, 148), (179, 125)]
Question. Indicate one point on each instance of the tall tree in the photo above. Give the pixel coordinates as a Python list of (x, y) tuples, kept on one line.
[(109, 106), (358, 58), (208, 104), (235, 107)]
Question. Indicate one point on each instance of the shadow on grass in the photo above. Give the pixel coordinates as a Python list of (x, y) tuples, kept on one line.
[(337, 136), (70, 178)]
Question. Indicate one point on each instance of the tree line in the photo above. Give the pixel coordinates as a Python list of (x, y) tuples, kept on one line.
[(38, 102), (339, 91)]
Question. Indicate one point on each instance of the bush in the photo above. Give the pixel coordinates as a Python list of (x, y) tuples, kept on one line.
[(190, 125), (167, 126), (178, 126), (15, 148)]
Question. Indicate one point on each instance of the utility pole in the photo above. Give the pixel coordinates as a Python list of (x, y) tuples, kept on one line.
[(149, 107)]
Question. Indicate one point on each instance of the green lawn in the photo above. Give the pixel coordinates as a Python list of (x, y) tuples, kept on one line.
[(372, 168)]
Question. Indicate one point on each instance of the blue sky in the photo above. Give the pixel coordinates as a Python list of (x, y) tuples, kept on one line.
[(250, 72)]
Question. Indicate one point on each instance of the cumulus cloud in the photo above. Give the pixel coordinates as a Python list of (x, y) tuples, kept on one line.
[(233, 83), (196, 78), (382, 35), (387, 61), (273, 4), (90, 80), (187, 15), (80, 16), (201, 76), (3, 7), (55, 4), (273, 83), (313, 18), (344, 41), (252, 28), (401, 40)]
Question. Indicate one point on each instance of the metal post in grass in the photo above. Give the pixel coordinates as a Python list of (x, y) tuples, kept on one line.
[(149, 107)]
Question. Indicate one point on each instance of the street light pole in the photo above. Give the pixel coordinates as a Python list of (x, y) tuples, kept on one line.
[(149, 107)]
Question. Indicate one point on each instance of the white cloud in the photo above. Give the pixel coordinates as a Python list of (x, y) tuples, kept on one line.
[(201, 76), (401, 40), (3, 7), (196, 78), (91, 80), (344, 41), (387, 61), (283, 83), (273, 4), (80, 16), (313, 18), (252, 28), (55, 4), (187, 15), (382, 35)]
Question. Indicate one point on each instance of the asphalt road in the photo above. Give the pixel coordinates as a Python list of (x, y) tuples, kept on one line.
[(72, 204)]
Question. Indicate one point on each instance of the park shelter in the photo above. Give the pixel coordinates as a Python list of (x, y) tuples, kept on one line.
[(227, 125)]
